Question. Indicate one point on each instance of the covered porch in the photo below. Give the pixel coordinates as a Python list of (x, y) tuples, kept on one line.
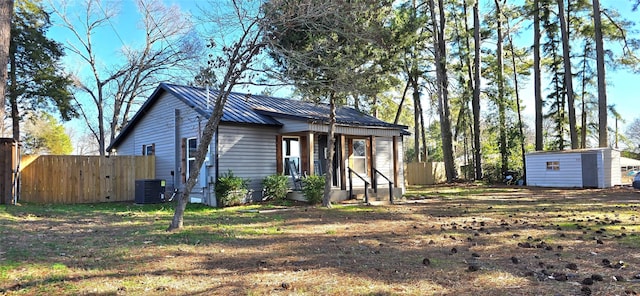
[(367, 162)]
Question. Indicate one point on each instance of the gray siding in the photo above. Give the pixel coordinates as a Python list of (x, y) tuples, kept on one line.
[(293, 125), (384, 160), (356, 131), (401, 163), (248, 151), (613, 174), (156, 127), (569, 174)]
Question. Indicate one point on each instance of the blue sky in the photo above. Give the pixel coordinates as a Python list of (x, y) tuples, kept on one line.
[(120, 31)]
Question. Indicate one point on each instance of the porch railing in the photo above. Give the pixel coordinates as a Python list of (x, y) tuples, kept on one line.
[(375, 184), (366, 185)]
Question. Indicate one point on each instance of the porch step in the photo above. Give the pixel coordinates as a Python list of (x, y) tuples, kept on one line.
[(379, 198)]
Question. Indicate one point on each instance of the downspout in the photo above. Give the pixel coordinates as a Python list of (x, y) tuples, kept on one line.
[(176, 141), (217, 164)]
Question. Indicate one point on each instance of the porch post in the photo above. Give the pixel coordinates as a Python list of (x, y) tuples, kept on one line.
[(279, 166), (310, 154), (396, 168), (343, 159), (372, 162)]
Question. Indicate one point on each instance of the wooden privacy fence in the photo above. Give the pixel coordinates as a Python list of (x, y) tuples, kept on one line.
[(425, 173), (83, 179)]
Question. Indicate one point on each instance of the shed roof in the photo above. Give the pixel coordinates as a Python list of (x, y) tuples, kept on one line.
[(253, 109), (629, 162), (585, 150)]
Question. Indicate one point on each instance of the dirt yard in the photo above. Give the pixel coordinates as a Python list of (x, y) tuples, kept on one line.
[(462, 240)]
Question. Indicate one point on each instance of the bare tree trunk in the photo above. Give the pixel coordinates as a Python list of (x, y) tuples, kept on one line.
[(568, 77), (537, 85), (6, 14), (602, 87), (423, 134), (475, 103), (583, 131), (502, 118), (326, 198), (102, 137), (520, 123), (443, 100), (13, 96), (113, 91), (401, 104), (234, 61), (416, 119)]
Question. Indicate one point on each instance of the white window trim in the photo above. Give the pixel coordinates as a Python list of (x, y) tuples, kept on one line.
[(363, 157), (290, 156), (190, 157), (553, 165)]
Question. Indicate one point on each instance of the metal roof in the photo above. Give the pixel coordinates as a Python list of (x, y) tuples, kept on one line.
[(254, 109), (258, 109), (237, 109)]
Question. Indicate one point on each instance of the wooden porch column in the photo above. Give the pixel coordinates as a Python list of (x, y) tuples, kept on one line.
[(372, 159), (310, 148), (279, 166), (343, 159), (304, 154), (396, 168)]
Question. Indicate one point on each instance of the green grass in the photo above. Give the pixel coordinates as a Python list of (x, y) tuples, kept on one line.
[(121, 248), (6, 267), (451, 191)]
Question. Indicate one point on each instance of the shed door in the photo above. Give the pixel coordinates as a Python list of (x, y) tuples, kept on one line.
[(590, 170)]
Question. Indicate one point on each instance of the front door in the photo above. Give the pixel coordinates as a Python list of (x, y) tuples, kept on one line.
[(324, 152)]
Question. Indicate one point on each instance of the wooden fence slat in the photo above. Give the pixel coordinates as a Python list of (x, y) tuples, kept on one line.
[(83, 179), (425, 173)]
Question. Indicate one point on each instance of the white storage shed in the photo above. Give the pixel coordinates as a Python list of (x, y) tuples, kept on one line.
[(582, 168)]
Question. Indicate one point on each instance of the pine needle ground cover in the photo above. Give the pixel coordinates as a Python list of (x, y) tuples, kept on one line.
[(462, 240)]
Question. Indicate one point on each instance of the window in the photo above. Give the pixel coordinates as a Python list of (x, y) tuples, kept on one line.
[(359, 156), (291, 155), (553, 165), (192, 149), (149, 149)]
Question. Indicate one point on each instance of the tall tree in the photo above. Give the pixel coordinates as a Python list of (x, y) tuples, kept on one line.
[(568, 76), (537, 88), (553, 63), (476, 92), (6, 13), (113, 90), (233, 62), (327, 49), (514, 68), (602, 86), (36, 81), (501, 100), (615, 31), (410, 43), (438, 24)]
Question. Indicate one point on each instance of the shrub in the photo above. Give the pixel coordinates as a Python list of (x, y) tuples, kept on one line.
[(276, 186), (313, 188), (230, 189)]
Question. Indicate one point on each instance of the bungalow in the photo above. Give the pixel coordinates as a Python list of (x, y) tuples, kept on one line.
[(259, 136)]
